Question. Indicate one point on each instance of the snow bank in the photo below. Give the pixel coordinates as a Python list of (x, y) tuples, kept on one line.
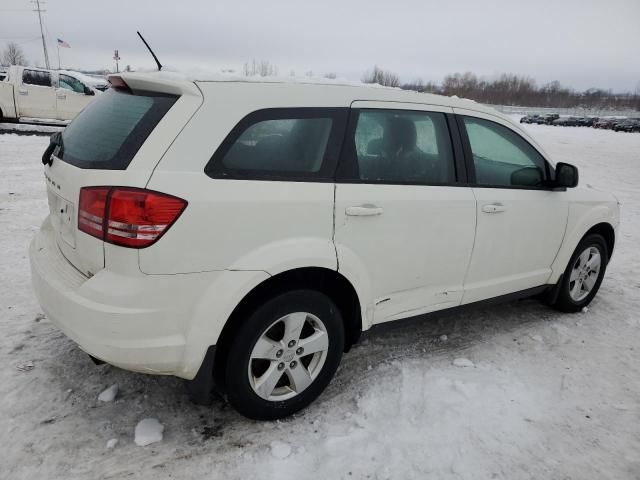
[(210, 74), (27, 128)]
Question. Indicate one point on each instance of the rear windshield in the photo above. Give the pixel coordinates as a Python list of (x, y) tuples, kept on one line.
[(111, 129)]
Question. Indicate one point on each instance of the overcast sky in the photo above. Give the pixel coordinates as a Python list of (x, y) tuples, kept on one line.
[(581, 43)]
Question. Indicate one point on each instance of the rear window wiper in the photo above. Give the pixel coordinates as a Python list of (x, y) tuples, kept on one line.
[(56, 147)]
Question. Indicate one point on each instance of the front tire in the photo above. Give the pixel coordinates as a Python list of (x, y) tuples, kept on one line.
[(284, 355), (583, 275)]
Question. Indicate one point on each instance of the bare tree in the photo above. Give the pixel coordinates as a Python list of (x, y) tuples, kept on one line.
[(263, 68), (512, 89), (381, 77), (420, 86), (13, 55)]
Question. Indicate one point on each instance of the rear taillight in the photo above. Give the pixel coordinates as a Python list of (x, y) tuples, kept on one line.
[(126, 216), (91, 207)]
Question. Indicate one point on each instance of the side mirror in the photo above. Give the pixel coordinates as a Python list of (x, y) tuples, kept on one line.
[(88, 91), (566, 175), (527, 177)]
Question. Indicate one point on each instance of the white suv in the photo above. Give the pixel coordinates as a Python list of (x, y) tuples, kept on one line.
[(242, 235)]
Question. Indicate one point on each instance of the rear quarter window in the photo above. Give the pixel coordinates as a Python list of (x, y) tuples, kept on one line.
[(282, 144), (108, 133)]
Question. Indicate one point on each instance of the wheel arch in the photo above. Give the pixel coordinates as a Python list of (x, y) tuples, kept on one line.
[(559, 296), (608, 233), (594, 221), (327, 281)]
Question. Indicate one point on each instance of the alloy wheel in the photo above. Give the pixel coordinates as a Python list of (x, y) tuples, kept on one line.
[(584, 273), (288, 356)]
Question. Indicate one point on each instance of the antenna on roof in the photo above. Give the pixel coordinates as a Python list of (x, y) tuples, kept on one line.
[(150, 51)]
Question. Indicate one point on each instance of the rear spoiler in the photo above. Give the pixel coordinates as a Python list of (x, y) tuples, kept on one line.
[(161, 82)]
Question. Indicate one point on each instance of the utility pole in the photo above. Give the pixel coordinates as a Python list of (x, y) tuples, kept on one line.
[(116, 57), (44, 43)]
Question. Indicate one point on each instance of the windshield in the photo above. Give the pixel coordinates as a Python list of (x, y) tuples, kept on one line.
[(111, 129)]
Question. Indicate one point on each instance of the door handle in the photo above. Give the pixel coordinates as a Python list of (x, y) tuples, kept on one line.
[(23, 92), (363, 211), (62, 97), (493, 208)]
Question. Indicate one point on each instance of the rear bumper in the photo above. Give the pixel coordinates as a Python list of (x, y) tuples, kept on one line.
[(137, 322)]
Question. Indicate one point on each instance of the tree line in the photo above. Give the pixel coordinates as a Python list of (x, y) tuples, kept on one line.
[(517, 90)]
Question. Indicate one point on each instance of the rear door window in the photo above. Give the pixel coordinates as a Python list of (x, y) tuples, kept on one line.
[(111, 129), (36, 77), (399, 146)]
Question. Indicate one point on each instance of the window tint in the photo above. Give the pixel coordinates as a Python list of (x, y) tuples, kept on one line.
[(502, 157), (71, 83), (403, 147), (287, 145), (35, 77), (109, 131), (30, 77), (294, 143)]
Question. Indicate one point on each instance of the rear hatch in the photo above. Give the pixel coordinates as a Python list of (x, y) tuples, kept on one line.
[(116, 141)]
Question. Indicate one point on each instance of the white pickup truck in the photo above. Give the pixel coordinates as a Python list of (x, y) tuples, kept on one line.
[(34, 94)]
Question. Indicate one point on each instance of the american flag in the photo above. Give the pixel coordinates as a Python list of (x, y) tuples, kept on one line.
[(63, 44)]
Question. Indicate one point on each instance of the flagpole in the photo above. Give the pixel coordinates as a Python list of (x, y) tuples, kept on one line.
[(58, 55)]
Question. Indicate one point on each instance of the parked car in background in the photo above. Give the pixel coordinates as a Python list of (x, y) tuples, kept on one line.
[(606, 123), (628, 125), (3, 73), (580, 121), (231, 243), (565, 122), (529, 119), (547, 118), (36, 94), (585, 121)]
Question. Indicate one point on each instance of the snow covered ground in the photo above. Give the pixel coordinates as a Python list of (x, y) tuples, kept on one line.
[(516, 391)]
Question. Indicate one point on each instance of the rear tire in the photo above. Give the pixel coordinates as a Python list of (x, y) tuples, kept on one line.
[(284, 355), (583, 275)]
